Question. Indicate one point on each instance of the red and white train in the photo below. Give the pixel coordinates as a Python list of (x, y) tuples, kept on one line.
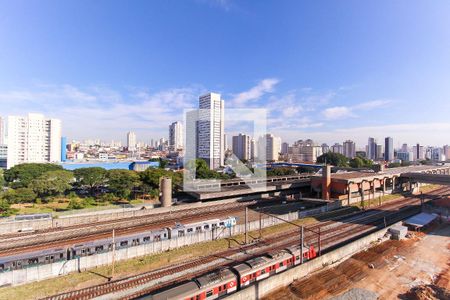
[(225, 281)]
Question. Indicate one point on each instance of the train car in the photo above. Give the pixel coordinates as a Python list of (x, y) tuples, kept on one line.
[(32, 217), (210, 286), (261, 267), (24, 260), (216, 284), (183, 291), (308, 253), (180, 230)]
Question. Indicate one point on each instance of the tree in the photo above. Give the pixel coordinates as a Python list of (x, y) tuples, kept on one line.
[(281, 172), (20, 195), (91, 178), (335, 159), (52, 183), (22, 175), (2, 179), (5, 209), (121, 182), (203, 171), (360, 162)]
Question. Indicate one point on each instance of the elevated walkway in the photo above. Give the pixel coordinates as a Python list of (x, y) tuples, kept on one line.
[(441, 179)]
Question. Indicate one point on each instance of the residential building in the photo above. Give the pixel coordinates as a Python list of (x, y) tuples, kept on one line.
[(33, 139), (388, 149), (379, 153), (270, 145), (210, 130), (131, 141), (242, 147), (404, 148), (253, 149), (337, 148), (304, 151), (176, 136), (325, 148), (349, 149), (3, 156), (447, 151)]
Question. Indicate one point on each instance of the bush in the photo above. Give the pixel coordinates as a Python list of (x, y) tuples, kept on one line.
[(75, 203)]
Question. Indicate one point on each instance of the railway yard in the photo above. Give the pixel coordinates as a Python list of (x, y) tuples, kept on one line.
[(170, 271)]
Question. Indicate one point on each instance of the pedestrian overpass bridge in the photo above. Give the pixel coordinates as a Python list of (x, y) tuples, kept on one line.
[(441, 179)]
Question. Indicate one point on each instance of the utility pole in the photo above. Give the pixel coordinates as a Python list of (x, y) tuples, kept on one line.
[(301, 244), (113, 252), (246, 225), (260, 225)]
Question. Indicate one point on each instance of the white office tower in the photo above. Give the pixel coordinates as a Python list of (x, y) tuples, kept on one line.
[(131, 141), (242, 147), (272, 145), (349, 149), (2, 131), (176, 136), (33, 139), (210, 130)]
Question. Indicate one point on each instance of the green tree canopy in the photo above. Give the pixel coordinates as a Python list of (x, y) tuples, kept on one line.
[(335, 159), (360, 162), (121, 182), (281, 172), (203, 171), (150, 177), (52, 183), (20, 195), (2, 178), (22, 175), (91, 178)]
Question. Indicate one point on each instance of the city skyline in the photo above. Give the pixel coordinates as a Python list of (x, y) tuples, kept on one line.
[(362, 87)]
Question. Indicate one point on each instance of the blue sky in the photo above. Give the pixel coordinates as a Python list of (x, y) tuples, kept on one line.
[(327, 70)]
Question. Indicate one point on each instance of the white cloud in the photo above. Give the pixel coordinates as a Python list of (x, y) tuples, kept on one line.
[(263, 87), (100, 112), (343, 112), (338, 112)]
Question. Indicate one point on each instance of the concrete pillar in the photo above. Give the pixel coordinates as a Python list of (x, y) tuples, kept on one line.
[(349, 193), (165, 187), (373, 190), (393, 184), (326, 182), (384, 186)]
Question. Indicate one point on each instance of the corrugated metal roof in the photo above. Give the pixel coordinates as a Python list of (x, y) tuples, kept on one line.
[(420, 220)]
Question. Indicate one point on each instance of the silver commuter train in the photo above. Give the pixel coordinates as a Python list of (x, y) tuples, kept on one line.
[(46, 256)]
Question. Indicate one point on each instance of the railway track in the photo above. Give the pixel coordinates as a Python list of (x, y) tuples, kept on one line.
[(333, 233), (83, 234)]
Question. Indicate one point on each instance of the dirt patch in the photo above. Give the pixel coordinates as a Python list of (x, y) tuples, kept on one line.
[(415, 268)]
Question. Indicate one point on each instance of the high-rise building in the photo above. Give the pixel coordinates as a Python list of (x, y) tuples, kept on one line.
[(131, 141), (380, 153), (388, 149), (325, 148), (253, 149), (176, 136), (447, 151), (271, 145), (284, 148), (372, 149), (337, 148), (349, 149), (210, 130), (419, 152), (404, 148), (2, 131), (33, 139), (405, 156), (63, 148), (304, 151), (242, 147)]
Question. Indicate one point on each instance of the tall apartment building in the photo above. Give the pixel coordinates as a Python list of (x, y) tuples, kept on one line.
[(271, 145), (284, 148), (210, 130), (242, 147), (131, 141), (349, 149), (337, 148), (304, 151), (447, 151), (176, 136), (325, 148), (372, 149), (33, 139), (388, 149)]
